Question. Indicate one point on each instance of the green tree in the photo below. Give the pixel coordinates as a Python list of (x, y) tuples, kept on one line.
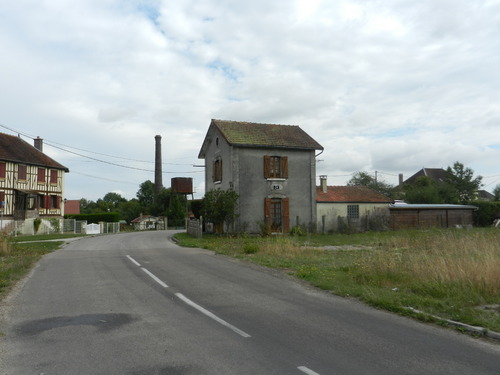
[(113, 199), (145, 196), (496, 193), (463, 182), (424, 190), (366, 179), (219, 207)]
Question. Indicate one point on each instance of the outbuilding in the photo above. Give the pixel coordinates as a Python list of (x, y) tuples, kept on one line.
[(418, 216)]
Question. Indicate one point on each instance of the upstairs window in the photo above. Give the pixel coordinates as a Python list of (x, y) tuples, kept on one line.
[(3, 170), (21, 172), (53, 176), (217, 170), (275, 166), (41, 175)]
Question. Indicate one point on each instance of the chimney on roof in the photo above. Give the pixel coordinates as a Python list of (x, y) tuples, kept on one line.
[(158, 171), (323, 184), (39, 144)]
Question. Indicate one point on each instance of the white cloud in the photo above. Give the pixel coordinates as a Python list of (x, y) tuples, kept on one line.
[(385, 85)]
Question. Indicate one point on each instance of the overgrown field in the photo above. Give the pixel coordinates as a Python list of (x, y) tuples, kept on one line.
[(16, 258), (453, 274)]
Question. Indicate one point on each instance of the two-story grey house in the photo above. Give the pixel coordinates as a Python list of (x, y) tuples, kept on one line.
[(271, 167)]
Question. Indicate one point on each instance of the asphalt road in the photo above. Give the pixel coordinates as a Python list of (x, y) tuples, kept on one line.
[(136, 303)]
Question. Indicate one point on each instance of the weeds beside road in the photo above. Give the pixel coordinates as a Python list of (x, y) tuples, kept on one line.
[(19, 254), (453, 274)]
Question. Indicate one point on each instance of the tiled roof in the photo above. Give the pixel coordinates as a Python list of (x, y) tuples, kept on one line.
[(15, 149), (251, 134), (350, 194), (436, 174)]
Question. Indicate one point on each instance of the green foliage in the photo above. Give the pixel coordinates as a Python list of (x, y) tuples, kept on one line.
[(36, 224), (145, 195), (109, 217), (177, 210), (463, 182), (487, 213), (219, 207), (365, 179), (496, 192)]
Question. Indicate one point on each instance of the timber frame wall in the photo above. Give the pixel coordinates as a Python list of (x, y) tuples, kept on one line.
[(41, 198)]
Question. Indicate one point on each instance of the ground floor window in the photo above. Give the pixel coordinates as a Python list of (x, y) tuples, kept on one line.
[(353, 211)]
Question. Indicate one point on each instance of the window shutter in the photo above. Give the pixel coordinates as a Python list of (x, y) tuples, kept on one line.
[(267, 212), (3, 170), (46, 201), (58, 202), (41, 175), (220, 169), (286, 215), (213, 171), (267, 166), (284, 166)]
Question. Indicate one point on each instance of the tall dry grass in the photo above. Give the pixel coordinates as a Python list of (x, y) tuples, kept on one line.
[(469, 259)]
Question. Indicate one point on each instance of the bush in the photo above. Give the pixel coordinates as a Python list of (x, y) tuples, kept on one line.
[(108, 217), (487, 213)]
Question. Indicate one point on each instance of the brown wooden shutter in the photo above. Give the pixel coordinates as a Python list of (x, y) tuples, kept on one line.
[(58, 202), (41, 175), (46, 201), (286, 214), (213, 171), (267, 166), (284, 167), (267, 212), (3, 170), (220, 169)]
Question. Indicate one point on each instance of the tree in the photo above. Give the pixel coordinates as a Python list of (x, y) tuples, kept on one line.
[(424, 190), (145, 195), (113, 199), (365, 179), (219, 207), (463, 182), (496, 192)]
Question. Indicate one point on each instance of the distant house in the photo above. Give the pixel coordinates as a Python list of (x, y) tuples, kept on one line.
[(485, 196), (435, 174), (31, 183), (72, 207), (148, 222), (350, 208), (271, 167)]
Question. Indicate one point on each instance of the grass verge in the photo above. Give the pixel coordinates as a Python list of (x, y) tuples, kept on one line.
[(453, 274), (17, 259)]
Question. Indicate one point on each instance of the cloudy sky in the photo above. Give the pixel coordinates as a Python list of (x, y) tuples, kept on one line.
[(384, 85)]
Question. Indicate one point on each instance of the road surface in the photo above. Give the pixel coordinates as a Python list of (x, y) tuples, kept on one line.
[(136, 303)]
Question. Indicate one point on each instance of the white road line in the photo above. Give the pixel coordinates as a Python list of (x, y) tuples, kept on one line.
[(307, 371), (212, 316), (133, 260), (155, 278)]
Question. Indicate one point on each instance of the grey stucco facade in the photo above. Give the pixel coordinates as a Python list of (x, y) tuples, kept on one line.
[(292, 197)]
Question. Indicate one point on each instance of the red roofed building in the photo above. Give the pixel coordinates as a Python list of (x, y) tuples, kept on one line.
[(350, 208), (31, 183)]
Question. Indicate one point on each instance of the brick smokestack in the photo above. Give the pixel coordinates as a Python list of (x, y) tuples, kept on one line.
[(39, 144), (158, 171)]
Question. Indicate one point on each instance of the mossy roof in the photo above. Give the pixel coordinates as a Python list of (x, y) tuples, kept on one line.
[(251, 134)]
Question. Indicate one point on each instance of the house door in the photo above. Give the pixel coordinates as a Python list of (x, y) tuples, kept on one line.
[(277, 217)]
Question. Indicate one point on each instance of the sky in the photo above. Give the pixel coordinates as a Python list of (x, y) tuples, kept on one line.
[(385, 86)]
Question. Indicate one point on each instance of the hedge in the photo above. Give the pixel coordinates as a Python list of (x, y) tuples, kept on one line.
[(108, 217)]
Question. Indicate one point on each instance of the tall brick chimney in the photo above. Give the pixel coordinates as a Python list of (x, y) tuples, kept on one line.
[(39, 144), (158, 171)]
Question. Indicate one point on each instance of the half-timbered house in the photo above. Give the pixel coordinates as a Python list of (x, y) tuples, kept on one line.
[(31, 183)]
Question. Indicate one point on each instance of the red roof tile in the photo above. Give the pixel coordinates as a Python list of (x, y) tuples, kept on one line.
[(350, 194)]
